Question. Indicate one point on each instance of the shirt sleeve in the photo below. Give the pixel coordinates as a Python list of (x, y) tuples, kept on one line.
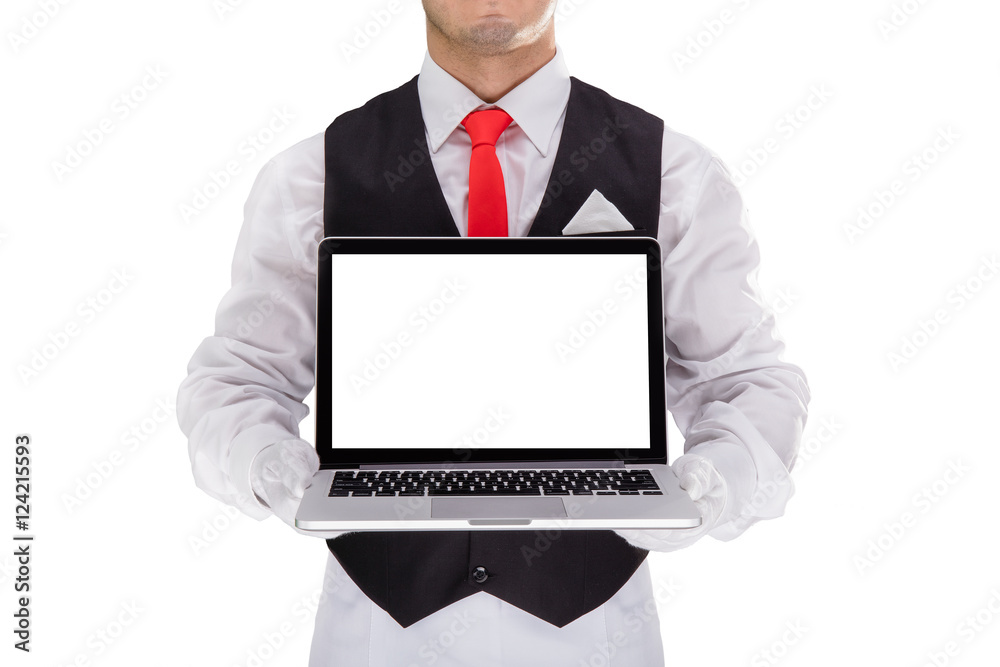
[(733, 397), (246, 384)]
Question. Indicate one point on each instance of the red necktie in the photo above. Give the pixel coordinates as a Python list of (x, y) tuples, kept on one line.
[(487, 198)]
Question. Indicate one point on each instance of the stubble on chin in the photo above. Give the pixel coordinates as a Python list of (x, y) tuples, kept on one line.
[(490, 37)]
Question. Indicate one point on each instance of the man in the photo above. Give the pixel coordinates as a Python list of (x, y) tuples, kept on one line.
[(401, 165)]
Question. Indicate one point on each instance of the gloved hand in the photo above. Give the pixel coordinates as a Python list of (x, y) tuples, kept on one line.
[(279, 475), (707, 489)]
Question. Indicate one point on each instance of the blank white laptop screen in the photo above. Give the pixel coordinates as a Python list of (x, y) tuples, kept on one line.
[(497, 351)]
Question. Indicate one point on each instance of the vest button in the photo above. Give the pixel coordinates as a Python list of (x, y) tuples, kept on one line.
[(480, 574)]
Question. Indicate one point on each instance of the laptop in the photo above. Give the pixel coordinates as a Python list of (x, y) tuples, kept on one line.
[(491, 384)]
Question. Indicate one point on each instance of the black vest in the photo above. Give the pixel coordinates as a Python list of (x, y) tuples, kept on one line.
[(380, 182)]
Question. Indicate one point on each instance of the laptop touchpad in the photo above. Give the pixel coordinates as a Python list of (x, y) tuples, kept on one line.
[(497, 508)]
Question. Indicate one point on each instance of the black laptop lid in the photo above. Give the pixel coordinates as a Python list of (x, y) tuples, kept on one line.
[(456, 350)]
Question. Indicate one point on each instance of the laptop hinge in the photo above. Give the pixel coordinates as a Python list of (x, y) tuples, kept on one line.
[(615, 463)]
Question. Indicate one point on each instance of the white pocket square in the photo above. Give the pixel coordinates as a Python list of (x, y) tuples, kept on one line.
[(597, 215)]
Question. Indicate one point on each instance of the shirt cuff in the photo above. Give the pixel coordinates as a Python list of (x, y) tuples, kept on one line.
[(244, 449)]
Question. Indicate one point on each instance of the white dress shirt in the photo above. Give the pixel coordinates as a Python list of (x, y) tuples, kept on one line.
[(734, 400)]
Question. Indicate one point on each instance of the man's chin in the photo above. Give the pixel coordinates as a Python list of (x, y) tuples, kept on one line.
[(492, 35)]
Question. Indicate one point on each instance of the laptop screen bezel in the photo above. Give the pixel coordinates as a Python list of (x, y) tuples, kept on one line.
[(341, 457)]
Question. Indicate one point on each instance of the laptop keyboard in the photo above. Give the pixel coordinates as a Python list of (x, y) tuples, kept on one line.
[(494, 483)]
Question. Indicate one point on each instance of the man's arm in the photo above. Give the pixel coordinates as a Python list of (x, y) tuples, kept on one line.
[(246, 384), (738, 404)]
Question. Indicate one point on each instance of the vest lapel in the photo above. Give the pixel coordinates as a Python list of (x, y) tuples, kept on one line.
[(422, 184), (368, 196), (609, 146), (564, 197)]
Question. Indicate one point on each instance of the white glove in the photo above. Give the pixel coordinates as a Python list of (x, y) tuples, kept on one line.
[(707, 489), (279, 475)]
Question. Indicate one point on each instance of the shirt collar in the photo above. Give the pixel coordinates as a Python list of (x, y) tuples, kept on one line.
[(535, 104)]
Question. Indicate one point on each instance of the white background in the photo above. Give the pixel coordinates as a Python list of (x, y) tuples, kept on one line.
[(877, 435)]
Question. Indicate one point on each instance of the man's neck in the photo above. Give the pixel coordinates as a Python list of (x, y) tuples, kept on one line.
[(492, 77)]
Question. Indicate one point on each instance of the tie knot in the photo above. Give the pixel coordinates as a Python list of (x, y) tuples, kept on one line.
[(486, 125)]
